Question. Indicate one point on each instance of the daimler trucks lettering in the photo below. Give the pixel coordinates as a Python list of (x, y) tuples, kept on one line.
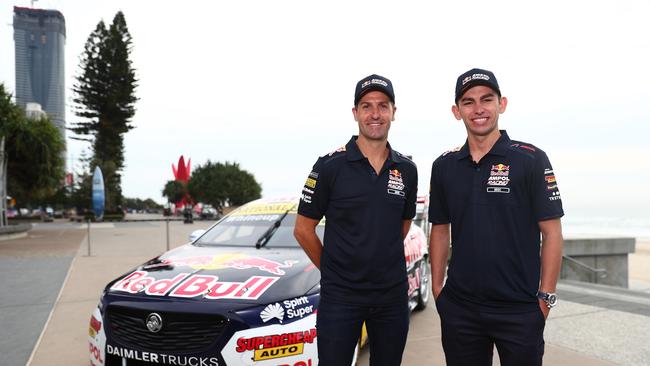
[(161, 357), (186, 285)]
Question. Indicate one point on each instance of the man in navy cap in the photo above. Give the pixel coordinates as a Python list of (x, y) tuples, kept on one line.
[(367, 193), (493, 196)]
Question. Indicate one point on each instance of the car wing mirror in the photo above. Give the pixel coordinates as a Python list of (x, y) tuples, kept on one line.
[(196, 234)]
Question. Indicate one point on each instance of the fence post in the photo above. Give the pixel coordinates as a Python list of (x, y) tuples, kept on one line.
[(167, 225), (88, 237)]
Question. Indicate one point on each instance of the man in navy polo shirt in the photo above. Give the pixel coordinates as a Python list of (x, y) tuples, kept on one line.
[(495, 196), (367, 193)]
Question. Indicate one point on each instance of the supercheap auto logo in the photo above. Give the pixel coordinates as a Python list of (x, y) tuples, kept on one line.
[(276, 345)]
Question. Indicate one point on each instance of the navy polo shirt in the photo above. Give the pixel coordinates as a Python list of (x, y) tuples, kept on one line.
[(363, 248), (494, 207)]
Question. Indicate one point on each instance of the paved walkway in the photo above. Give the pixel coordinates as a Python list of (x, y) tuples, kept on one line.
[(599, 332)]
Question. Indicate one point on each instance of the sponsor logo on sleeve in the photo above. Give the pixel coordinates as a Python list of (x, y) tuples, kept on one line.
[(554, 196), (456, 149), (340, 149), (310, 183), (551, 185)]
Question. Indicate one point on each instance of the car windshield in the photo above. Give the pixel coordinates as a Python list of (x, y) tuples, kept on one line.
[(245, 230)]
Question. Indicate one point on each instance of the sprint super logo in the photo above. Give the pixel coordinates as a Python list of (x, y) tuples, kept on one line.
[(289, 309)]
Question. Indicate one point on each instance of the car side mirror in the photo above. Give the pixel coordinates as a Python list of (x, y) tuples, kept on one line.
[(196, 234)]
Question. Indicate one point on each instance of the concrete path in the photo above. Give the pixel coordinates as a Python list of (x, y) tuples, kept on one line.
[(576, 333)]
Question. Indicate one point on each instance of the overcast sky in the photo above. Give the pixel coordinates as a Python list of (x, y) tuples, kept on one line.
[(270, 84)]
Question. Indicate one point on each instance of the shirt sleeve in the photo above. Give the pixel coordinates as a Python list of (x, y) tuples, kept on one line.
[(547, 203), (438, 209), (412, 197), (315, 193)]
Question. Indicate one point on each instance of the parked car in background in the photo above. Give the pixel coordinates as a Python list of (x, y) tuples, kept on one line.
[(241, 293), (209, 213)]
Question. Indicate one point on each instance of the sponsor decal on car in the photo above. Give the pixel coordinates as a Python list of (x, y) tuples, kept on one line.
[(289, 309), (299, 363), (272, 345), (230, 260), (96, 339), (186, 285), (162, 358), (414, 281), (276, 345), (267, 208)]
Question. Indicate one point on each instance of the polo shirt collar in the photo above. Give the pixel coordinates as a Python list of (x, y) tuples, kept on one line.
[(500, 147), (354, 153)]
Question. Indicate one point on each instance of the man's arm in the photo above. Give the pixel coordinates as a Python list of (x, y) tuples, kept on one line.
[(305, 233), (406, 227), (439, 251), (552, 243)]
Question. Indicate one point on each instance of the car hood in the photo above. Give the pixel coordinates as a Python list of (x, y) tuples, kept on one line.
[(221, 274)]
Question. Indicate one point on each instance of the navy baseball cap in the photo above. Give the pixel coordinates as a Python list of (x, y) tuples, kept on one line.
[(374, 82), (475, 77)]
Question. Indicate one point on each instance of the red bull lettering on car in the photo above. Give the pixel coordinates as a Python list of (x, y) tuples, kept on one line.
[(188, 286)]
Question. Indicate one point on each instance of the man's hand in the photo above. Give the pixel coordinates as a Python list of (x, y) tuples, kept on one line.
[(545, 309)]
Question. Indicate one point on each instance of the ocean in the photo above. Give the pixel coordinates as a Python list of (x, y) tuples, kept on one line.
[(636, 227)]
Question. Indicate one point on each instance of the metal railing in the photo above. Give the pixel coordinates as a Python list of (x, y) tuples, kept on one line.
[(599, 272)]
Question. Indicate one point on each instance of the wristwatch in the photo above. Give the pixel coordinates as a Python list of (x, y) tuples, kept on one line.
[(550, 298)]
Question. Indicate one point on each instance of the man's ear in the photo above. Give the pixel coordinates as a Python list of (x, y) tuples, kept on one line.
[(456, 112), (503, 103)]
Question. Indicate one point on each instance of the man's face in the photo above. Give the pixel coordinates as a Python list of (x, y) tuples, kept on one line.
[(479, 108), (374, 113)]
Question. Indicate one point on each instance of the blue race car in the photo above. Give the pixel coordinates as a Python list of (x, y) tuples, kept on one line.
[(241, 293)]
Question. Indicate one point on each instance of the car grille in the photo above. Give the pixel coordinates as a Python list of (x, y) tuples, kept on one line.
[(181, 332)]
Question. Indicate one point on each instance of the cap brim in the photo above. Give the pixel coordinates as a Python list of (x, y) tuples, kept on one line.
[(474, 83), (374, 88)]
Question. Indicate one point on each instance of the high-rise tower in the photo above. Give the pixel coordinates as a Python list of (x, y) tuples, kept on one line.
[(39, 36)]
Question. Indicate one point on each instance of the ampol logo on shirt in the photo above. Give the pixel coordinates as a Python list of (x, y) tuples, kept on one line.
[(395, 183), (499, 176)]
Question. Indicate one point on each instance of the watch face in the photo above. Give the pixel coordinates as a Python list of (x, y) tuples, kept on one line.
[(552, 299)]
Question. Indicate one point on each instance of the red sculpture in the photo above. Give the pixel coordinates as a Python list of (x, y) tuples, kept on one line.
[(182, 174)]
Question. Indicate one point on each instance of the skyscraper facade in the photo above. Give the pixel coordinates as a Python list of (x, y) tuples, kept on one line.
[(39, 37)]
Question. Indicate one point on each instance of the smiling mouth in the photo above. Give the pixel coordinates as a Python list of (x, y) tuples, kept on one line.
[(480, 120)]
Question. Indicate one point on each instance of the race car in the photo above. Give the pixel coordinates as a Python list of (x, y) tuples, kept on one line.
[(241, 293)]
